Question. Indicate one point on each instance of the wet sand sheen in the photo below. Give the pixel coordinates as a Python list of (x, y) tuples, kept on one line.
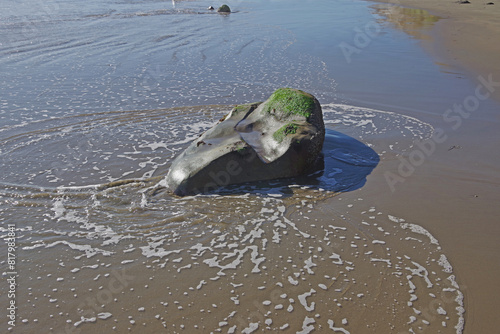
[(457, 187), (465, 37)]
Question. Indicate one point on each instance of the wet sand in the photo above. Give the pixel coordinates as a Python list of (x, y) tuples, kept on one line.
[(456, 190), (466, 36)]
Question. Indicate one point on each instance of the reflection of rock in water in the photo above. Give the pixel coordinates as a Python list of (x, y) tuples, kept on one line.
[(347, 162), (414, 22), (262, 257)]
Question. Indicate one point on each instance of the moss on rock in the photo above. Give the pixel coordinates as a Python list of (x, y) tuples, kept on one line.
[(285, 102), (224, 9), (281, 133)]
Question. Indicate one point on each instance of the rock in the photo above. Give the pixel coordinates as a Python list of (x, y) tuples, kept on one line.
[(279, 138), (224, 9)]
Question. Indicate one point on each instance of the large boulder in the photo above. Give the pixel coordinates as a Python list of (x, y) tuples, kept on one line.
[(279, 138)]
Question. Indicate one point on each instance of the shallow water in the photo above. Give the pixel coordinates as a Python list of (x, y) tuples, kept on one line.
[(96, 102), (126, 254)]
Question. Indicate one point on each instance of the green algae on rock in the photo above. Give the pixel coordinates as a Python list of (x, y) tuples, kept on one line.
[(290, 101), (279, 138), (224, 9), (281, 133)]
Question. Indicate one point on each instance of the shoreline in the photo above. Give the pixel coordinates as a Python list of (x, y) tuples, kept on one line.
[(454, 193), (464, 37)]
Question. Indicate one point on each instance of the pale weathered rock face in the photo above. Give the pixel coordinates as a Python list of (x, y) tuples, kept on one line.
[(279, 138)]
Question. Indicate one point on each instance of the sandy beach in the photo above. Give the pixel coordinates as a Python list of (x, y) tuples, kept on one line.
[(466, 35), (458, 190)]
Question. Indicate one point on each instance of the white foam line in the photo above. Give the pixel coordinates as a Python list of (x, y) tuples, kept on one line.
[(239, 253), (252, 327), (443, 262), (83, 319), (308, 265), (331, 323), (364, 110), (381, 260), (303, 300), (305, 235), (89, 251), (307, 326), (421, 272), (460, 308), (420, 230), (149, 251)]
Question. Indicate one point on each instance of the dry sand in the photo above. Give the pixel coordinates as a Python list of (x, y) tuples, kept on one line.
[(457, 191)]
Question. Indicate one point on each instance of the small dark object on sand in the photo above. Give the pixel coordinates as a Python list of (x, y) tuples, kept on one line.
[(224, 9), (490, 3), (464, 2)]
